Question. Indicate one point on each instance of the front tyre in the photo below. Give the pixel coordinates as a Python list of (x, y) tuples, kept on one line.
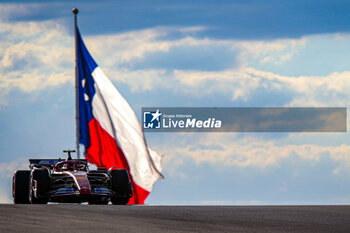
[(40, 186), (20, 187)]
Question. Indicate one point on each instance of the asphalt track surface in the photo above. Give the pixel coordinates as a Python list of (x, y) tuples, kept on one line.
[(85, 218)]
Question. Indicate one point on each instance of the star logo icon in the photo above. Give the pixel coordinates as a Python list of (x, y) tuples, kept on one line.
[(156, 115)]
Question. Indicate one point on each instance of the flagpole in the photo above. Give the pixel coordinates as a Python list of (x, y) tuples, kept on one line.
[(75, 12)]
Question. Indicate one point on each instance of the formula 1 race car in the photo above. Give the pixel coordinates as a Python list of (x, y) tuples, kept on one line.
[(56, 180)]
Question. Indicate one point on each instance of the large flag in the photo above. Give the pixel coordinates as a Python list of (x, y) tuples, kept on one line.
[(110, 130)]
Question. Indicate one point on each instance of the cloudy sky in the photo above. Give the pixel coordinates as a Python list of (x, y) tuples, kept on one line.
[(187, 54)]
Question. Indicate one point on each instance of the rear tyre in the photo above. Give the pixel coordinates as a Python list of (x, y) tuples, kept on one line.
[(121, 186), (20, 187), (42, 179)]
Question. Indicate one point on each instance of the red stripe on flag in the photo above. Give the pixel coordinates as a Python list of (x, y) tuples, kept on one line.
[(104, 152)]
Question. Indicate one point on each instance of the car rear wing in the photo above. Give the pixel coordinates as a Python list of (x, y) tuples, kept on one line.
[(50, 162)]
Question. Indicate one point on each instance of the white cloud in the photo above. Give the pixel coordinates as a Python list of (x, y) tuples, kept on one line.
[(240, 83), (222, 150), (152, 79), (308, 91), (38, 55), (116, 49), (34, 56), (7, 169), (10, 10), (275, 51)]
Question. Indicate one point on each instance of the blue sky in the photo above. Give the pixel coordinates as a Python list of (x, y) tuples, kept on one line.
[(187, 54)]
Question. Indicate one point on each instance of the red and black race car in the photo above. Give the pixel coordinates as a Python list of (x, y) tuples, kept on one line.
[(56, 180)]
